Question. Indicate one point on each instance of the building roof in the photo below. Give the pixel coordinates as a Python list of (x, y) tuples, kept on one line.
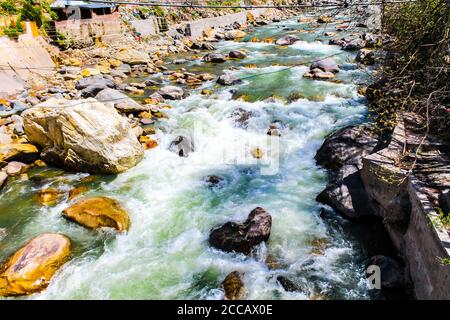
[(82, 4)]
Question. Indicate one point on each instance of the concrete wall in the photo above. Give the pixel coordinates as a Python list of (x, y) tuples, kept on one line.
[(21, 61), (107, 28), (145, 27), (197, 27)]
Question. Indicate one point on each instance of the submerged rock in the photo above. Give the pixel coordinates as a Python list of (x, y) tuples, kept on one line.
[(83, 135), (31, 268), (214, 181), (49, 197), (242, 237), (98, 212), (233, 286)]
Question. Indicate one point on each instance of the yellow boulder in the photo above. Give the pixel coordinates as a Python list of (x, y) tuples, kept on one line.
[(24, 152), (31, 268), (98, 212), (49, 197)]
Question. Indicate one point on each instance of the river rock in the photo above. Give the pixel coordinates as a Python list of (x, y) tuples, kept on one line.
[(234, 34), (392, 272), (83, 135), (233, 286), (288, 284), (237, 54), (98, 212), (23, 152), (3, 178), (132, 57), (171, 93), (326, 65), (120, 101), (98, 81), (227, 79), (347, 146), (31, 268), (324, 19), (214, 57), (182, 146), (241, 117), (319, 74), (287, 40), (242, 237), (15, 168), (366, 56), (214, 181)]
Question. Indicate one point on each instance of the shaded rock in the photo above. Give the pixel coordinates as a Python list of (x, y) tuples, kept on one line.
[(228, 79), (31, 268), (347, 146), (120, 101), (233, 286), (83, 135), (132, 57), (98, 212), (287, 40), (214, 57), (23, 152), (182, 146), (392, 272), (171, 93), (242, 237), (97, 81), (203, 46), (326, 65), (288, 284), (237, 54)]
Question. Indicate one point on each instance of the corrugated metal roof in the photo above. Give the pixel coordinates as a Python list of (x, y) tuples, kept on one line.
[(82, 4)]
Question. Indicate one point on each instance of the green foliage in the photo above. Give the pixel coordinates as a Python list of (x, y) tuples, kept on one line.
[(445, 261), (13, 31), (31, 11), (416, 72), (8, 7), (158, 11)]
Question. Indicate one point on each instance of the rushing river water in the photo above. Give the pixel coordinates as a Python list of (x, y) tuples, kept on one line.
[(165, 255)]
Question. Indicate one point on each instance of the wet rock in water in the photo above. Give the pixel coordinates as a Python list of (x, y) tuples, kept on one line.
[(215, 57), (228, 79), (203, 46), (242, 237), (234, 34), (233, 286), (353, 44), (288, 285), (132, 56), (241, 117), (325, 19), (49, 197), (392, 272), (326, 65), (274, 130), (3, 178), (75, 192), (214, 181), (31, 268), (150, 83), (237, 54), (97, 81), (98, 212), (83, 135), (182, 146), (15, 168), (23, 152), (319, 74), (171, 93), (120, 101), (287, 40), (347, 146)]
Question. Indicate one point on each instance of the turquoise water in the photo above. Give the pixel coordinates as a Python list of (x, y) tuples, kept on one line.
[(165, 254)]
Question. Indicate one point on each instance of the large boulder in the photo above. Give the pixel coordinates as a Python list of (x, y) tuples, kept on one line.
[(98, 212), (31, 268), (326, 65), (347, 146), (120, 101), (242, 237), (83, 135), (171, 93), (287, 40), (132, 56), (215, 57)]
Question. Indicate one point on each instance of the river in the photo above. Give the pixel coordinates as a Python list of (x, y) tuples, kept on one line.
[(165, 254)]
